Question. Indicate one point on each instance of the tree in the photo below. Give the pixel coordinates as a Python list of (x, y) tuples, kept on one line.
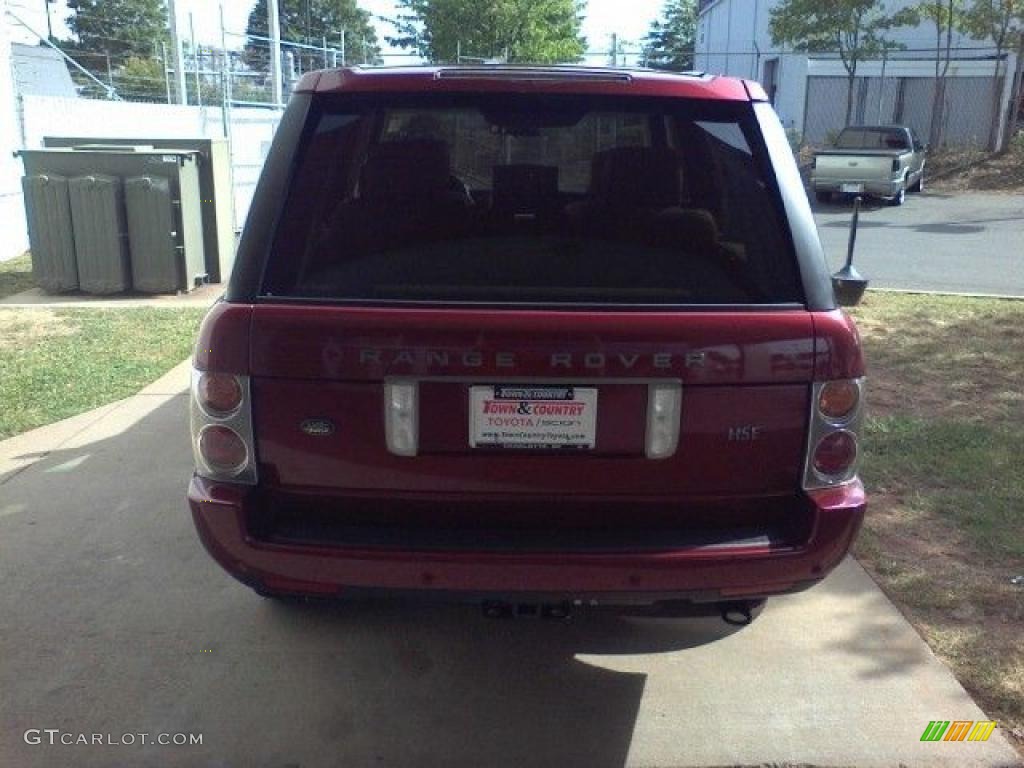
[(309, 22), (523, 31), (118, 28), (946, 16), (1001, 21), (141, 79), (670, 41), (855, 29)]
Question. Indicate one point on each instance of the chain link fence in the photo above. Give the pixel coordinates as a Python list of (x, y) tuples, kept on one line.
[(967, 114)]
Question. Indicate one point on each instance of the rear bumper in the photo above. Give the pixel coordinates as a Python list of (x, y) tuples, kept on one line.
[(220, 512), (886, 188)]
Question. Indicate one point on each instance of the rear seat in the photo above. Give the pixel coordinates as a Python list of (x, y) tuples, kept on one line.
[(405, 193), (636, 194)]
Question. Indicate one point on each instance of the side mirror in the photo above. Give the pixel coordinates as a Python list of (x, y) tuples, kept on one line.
[(848, 284)]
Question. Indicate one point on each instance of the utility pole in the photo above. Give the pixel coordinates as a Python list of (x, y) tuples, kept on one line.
[(344, 62), (49, 24), (179, 56), (325, 52), (881, 85), (195, 57), (167, 71), (274, 25), (615, 49)]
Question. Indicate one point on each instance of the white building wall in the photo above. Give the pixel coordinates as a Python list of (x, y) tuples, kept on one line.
[(734, 38), (252, 130), (14, 238)]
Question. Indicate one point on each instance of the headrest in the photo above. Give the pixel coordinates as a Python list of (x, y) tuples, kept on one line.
[(645, 177), (403, 171), (524, 187)]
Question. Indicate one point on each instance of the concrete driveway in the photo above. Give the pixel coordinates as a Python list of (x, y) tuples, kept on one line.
[(971, 243), (113, 620)]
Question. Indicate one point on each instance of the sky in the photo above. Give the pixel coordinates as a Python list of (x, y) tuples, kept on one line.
[(629, 18)]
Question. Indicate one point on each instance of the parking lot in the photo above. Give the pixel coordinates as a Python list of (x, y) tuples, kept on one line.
[(968, 243), (116, 621)]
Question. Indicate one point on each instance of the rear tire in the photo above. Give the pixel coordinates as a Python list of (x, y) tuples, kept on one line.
[(899, 197), (823, 197)]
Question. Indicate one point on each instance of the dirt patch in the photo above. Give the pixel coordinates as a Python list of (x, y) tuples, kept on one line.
[(22, 328), (973, 170)]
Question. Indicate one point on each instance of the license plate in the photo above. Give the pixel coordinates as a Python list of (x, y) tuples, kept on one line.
[(852, 188), (533, 417)]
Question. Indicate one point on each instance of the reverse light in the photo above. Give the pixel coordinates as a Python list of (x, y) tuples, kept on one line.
[(222, 434), (832, 441), (664, 406), (401, 417)]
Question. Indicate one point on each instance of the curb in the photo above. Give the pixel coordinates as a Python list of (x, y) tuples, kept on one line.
[(959, 294)]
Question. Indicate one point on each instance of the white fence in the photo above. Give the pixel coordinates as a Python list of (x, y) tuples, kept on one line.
[(251, 131)]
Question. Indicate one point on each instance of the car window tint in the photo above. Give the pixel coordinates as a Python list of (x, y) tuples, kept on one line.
[(539, 200)]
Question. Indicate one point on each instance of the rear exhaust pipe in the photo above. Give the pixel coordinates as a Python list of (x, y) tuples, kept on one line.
[(739, 613)]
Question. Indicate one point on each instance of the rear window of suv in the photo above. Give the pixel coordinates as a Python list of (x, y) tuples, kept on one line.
[(537, 200)]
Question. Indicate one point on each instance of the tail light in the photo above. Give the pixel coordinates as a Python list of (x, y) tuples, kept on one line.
[(895, 165), (832, 443), (222, 438)]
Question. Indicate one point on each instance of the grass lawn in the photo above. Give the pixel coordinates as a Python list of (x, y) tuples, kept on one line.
[(56, 363), (943, 449), (16, 275)]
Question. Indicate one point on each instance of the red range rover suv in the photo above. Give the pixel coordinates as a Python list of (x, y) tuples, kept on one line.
[(533, 335)]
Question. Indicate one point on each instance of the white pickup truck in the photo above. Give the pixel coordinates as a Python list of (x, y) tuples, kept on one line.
[(878, 160)]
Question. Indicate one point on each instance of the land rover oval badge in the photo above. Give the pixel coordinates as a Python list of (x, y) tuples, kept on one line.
[(317, 427)]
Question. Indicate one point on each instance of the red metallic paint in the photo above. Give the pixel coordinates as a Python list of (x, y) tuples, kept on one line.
[(323, 343), (219, 512), (355, 456), (223, 341), (758, 367), (512, 80), (838, 350)]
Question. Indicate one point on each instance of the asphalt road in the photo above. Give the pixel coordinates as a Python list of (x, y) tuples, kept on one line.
[(970, 243), (114, 621)]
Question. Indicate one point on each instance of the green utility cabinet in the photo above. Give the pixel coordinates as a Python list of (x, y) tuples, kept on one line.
[(48, 207), (135, 217), (215, 190), (101, 242)]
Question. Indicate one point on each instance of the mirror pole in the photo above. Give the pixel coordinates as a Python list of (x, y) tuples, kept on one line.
[(853, 232)]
